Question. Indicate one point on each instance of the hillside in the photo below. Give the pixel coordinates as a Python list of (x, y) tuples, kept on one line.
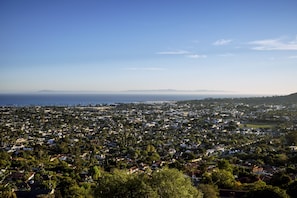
[(290, 98), (287, 99)]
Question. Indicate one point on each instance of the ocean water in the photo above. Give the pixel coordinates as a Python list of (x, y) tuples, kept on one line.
[(92, 99)]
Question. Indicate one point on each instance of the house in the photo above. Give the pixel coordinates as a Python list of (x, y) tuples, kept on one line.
[(257, 170)]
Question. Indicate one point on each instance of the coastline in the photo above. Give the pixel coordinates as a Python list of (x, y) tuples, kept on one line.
[(73, 99)]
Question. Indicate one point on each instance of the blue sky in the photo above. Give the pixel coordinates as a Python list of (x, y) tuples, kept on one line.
[(234, 46)]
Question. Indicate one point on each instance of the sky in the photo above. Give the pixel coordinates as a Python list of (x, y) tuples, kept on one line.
[(230, 46)]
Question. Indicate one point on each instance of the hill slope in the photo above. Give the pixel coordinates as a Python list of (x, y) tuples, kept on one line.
[(288, 99)]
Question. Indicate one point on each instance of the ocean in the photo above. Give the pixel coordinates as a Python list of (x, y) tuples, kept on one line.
[(94, 99)]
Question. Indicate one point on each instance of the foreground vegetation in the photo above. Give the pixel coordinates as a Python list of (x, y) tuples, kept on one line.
[(231, 147)]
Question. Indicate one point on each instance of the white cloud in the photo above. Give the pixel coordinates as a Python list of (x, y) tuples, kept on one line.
[(293, 57), (273, 44), (178, 52), (196, 56), (187, 54), (222, 42), (145, 69)]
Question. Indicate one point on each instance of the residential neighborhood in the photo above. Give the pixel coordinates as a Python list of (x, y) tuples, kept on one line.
[(229, 145)]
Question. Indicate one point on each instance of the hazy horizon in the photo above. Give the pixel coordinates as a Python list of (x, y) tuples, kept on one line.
[(246, 47), (142, 92)]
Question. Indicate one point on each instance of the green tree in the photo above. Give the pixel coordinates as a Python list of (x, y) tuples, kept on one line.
[(95, 172), (4, 159), (268, 191), (258, 184), (225, 165), (7, 194), (78, 192), (223, 178), (171, 183), (165, 183), (121, 184), (209, 191), (64, 186), (150, 148), (154, 157)]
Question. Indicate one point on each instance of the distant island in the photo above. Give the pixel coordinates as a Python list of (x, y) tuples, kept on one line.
[(178, 91), (137, 90), (133, 91)]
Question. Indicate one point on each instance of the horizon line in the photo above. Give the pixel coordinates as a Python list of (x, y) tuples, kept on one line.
[(148, 91), (119, 91)]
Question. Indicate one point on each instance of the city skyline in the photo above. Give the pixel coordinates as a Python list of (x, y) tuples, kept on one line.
[(247, 47)]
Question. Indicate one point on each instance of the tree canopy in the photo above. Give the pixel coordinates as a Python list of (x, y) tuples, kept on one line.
[(169, 183)]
